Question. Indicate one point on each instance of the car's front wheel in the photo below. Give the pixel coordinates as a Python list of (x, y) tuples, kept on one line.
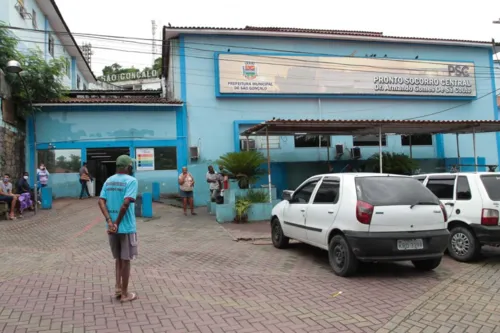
[(426, 265), (343, 261), (463, 245), (280, 241)]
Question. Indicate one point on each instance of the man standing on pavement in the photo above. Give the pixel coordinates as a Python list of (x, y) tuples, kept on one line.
[(215, 183), (117, 205)]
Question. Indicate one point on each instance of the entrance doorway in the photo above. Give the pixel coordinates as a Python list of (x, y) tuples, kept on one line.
[(101, 163)]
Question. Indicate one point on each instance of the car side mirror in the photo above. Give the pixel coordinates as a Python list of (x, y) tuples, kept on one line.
[(287, 195)]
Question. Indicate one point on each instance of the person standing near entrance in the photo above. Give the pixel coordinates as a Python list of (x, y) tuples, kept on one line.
[(215, 183), (84, 179), (116, 202), (186, 186), (42, 175)]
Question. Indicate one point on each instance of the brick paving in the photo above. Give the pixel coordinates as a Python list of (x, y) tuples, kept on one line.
[(56, 275)]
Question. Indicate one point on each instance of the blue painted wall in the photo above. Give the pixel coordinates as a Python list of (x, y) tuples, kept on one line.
[(83, 127), (203, 107), (109, 123)]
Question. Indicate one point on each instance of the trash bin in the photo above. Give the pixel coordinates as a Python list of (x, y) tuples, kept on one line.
[(138, 206)]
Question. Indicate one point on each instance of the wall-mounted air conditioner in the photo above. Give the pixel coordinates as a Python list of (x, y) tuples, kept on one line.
[(194, 153), (355, 153), (339, 150)]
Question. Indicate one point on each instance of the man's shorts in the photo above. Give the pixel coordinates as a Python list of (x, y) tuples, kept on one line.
[(7, 199), (123, 246)]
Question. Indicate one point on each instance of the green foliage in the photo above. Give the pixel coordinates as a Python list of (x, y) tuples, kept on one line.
[(245, 166), (73, 164), (43, 78), (257, 196), (119, 69), (395, 163), (156, 65), (242, 205)]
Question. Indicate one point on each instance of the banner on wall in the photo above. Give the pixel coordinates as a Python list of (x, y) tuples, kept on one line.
[(269, 74), (145, 159)]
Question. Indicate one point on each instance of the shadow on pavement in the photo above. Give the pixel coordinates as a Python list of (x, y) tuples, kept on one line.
[(398, 270)]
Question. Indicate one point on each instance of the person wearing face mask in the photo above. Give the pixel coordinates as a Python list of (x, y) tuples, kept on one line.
[(25, 193), (116, 202), (7, 196), (22, 185), (43, 177)]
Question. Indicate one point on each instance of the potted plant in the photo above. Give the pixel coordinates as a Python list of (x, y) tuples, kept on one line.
[(394, 163), (245, 166), (241, 206)]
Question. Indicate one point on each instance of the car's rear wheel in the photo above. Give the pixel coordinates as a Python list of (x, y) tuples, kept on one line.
[(280, 241), (342, 259), (426, 265), (463, 245)]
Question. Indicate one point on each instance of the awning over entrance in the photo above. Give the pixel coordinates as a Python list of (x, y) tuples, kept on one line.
[(359, 127), (283, 127)]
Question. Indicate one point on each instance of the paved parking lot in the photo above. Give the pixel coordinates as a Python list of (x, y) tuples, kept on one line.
[(57, 275)]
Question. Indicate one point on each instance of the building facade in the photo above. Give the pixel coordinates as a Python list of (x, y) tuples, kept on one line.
[(219, 82), (38, 24), (235, 78), (98, 126)]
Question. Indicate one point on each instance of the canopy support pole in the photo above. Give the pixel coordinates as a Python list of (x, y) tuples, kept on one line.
[(380, 148), (474, 147), (411, 148), (458, 153), (268, 167)]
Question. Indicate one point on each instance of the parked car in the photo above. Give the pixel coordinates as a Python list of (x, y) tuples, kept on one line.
[(364, 217), (472, 202)]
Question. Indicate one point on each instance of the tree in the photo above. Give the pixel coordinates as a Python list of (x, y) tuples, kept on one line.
[(44, 80), (118, 69)]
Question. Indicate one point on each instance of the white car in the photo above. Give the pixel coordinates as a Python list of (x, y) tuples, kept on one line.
[(364, 217), (472, 201)]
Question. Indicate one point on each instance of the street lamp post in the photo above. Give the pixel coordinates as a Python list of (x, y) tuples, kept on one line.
[(14, 67)]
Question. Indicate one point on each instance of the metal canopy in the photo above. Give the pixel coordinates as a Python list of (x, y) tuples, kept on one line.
[(285, 127)]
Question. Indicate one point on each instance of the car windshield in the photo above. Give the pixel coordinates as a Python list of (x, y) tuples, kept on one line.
[(393, 191), (492, 186)]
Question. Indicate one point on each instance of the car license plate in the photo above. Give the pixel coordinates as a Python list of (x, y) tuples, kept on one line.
[(410, 244)]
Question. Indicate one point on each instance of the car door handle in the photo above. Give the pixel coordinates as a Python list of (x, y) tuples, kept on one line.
[(330, 212), (302, 210), (450, 204)]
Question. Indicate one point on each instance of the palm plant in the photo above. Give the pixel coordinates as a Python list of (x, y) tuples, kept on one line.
[(394, 163), (245, 166)]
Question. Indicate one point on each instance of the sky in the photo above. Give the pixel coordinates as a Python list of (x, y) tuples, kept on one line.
[(132, 18)]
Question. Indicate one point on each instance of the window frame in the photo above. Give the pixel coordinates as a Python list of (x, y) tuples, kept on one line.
[(155, 155), (52, 167), (416, 145), (320, 138), (356, 144), (336, 181), (34, 21), (444, 177), (307, 182), (51, 45), (468, 185)]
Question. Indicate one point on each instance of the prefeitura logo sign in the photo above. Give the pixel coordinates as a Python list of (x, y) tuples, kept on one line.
[(250, 70)]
